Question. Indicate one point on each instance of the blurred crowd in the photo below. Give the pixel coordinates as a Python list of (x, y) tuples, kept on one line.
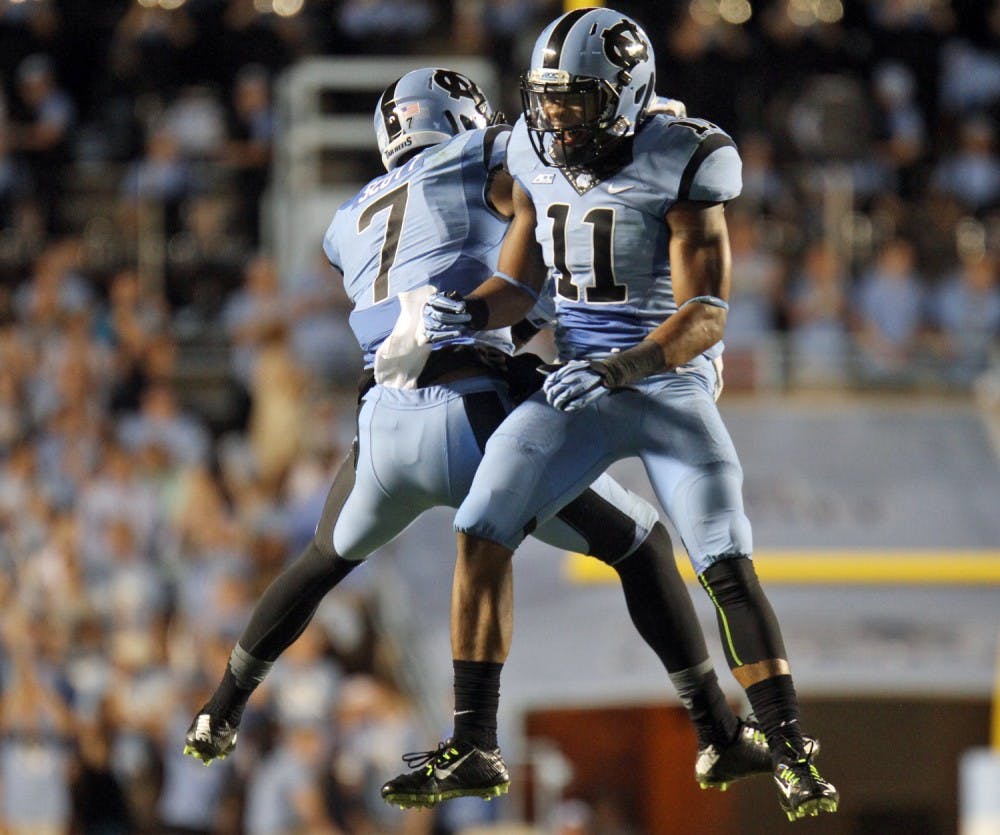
[(172, 407)]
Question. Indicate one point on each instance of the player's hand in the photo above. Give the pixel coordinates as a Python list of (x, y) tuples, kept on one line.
[(574, 385), (446, 317)]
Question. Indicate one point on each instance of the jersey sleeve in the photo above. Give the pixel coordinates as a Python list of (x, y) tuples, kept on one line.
[(330, 247), (714, 173), (495, 147)]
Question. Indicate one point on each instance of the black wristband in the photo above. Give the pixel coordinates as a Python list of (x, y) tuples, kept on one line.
[(628, 366), (479, 313)]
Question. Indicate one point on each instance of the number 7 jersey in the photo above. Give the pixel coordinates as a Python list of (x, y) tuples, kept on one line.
[(606, 242), (426, 222)]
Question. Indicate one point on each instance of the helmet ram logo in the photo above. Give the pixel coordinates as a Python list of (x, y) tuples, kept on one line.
[(458, 86), (624, 45)]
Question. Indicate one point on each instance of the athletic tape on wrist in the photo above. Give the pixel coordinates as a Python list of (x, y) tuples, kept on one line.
[(511, 280), (713, 301)]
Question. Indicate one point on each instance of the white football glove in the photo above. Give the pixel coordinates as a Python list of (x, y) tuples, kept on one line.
[(574, 385), (446, 317)]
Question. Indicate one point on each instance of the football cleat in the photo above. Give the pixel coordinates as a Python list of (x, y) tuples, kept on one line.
[(746, 756), (801, 789), (209, 738), (455, 769)]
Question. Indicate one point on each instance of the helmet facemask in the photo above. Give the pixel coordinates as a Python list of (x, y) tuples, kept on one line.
[(571, 123), (591, 80)]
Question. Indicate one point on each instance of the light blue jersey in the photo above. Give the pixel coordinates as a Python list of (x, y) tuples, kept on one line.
[(428, 223), (606, 243), (406, 229)]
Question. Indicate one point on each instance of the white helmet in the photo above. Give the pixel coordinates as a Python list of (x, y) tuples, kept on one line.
[(425, 107), (591, 79)]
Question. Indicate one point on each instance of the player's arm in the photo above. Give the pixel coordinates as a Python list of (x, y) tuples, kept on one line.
[(700, 268), (513, 290), (508, 296)]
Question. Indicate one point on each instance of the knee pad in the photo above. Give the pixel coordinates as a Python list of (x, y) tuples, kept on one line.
[(748, 626)]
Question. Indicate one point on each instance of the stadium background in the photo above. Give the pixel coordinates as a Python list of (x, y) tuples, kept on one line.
[(176, 387)]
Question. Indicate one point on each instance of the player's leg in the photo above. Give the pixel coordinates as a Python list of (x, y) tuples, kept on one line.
[(696, 474), (376, 493), (279, 617)]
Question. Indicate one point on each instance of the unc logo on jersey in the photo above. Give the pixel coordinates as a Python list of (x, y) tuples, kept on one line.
[(624, 45)]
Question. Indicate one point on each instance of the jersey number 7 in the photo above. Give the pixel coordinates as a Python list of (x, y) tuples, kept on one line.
[(395, 202)]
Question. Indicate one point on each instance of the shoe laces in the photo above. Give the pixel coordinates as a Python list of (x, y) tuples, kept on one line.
[(757, 734), (444, 752), (799, 761)]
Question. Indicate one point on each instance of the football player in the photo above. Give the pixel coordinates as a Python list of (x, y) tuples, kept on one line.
[(434, 223), (629, 208)]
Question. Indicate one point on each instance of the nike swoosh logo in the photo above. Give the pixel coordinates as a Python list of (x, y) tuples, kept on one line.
[(785, 790), (618, 189), (443, 773)]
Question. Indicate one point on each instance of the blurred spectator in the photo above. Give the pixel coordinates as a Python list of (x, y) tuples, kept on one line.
[(277, 413), (887, 312), (900, 130), (374, 722), (307, 687), (252, 32), (818, 345), (14, 181), (54, 292), (42, 140), (206, 256), (970, 77), (965, 313), (196, 119), (252, 314), (970, 174), (758, 279), (248, 149), (284, 795), (155, 186), (321, 335), (764, 188), (191, 799), (132, 325), (384, 26), (100, 806), (160, 422), (148, 49), (36, 739)]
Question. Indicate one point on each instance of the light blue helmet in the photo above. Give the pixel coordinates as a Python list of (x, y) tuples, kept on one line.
[(592, 77), (425, 107)]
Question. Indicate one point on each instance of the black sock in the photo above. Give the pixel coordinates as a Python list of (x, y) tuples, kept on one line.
[(229, 699), (714, 721), (777, 709), (477, 699)]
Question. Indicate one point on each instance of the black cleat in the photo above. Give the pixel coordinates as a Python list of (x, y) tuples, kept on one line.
[(209, 738), (746, 756), (801, 789), (455, 769)]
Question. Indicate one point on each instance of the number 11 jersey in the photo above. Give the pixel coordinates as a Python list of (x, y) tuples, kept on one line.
[(606, 241)]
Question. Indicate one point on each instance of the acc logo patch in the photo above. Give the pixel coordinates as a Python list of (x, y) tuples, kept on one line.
[(544, 179)]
